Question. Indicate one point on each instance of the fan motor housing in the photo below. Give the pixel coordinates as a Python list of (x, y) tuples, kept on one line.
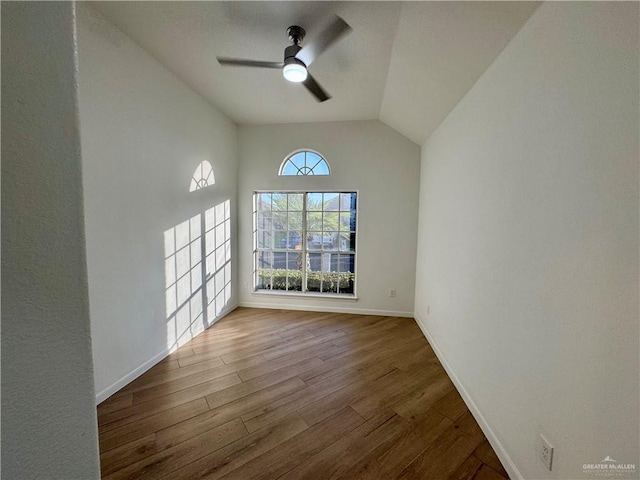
[(291, 51), (296, 34)]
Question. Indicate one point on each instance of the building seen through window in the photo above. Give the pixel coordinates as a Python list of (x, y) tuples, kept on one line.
[(305, 242)]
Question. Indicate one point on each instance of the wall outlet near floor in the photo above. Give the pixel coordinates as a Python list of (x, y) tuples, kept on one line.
[(245, 285), (392, 292), (545, 451), (428, 309)]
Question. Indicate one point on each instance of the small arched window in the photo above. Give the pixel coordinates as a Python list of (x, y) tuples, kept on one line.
[(304, 162), (202, 177)]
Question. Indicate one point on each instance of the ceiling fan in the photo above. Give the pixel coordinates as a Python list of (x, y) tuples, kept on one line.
[(297, 58)]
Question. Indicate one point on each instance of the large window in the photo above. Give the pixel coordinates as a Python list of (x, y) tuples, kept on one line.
[(305, 242)]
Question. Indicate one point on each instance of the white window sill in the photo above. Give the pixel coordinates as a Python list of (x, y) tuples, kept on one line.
[(284, 293)]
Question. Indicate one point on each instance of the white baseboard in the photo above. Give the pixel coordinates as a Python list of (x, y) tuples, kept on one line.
[(502, 454), (102, 395), (129, 377), (322, 308)]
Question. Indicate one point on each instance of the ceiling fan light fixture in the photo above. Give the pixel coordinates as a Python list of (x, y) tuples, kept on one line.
[(294, 70), (297, 57)]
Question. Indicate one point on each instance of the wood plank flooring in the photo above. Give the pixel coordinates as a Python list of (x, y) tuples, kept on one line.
[(275, 394)]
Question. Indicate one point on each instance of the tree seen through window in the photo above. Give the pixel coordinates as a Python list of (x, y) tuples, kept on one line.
[(305, 241)]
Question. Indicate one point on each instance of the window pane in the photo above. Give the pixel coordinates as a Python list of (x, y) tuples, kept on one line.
[(279, 280), (347, 242), (298, 159), (314, 221), (289, 169), (330, 283), (316, 240), (329, 240), (345, 221), (279, 201), (314, 276), (263, 280), (314, 201), (321, 168), (346, 263), (294, 261), (330, 221), (347, 201), (279, 220), (331, 202), (325, 262), (312, 159), (292, 240), (265, 239), (294, 281), (295, 220), (264, 201), (280, 260), (264, 220), (265, 260), (314, 262), (279, 239), (346, 284), (295, 201)]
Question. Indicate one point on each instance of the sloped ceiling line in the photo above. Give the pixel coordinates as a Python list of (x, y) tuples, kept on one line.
[(405, 63)]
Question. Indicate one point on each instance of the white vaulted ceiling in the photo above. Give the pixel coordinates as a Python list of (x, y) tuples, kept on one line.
[(405, 63)]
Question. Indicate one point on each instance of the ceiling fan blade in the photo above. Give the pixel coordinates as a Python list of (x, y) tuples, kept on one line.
[(334, 32), (315, 89), (239, 62)]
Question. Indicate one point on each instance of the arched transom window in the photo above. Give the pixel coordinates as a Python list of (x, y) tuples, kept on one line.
[(304, 162)]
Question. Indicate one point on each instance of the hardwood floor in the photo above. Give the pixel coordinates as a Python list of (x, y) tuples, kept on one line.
[(273, 394)]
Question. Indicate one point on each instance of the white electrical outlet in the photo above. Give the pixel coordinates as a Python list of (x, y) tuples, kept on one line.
[(392, 292), (428, 309), (545, 450)]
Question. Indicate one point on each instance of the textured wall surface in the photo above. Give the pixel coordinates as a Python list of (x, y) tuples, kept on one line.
[(528, 240), (48, 412), (144, 133)]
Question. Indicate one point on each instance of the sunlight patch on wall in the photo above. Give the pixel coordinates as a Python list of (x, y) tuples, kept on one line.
[(191, 283), (202, 177), (218, 257)]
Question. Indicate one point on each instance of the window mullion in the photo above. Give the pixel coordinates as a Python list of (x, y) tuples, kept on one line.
[(304, 242)]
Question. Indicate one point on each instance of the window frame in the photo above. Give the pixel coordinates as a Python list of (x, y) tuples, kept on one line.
[(305, 150), (305, 251)]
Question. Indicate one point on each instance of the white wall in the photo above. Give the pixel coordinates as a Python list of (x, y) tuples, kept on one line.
[(528, 240), (367, 156), (144, 132), (48, 414)]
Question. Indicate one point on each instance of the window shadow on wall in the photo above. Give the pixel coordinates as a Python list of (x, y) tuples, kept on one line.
[(197, 267)]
